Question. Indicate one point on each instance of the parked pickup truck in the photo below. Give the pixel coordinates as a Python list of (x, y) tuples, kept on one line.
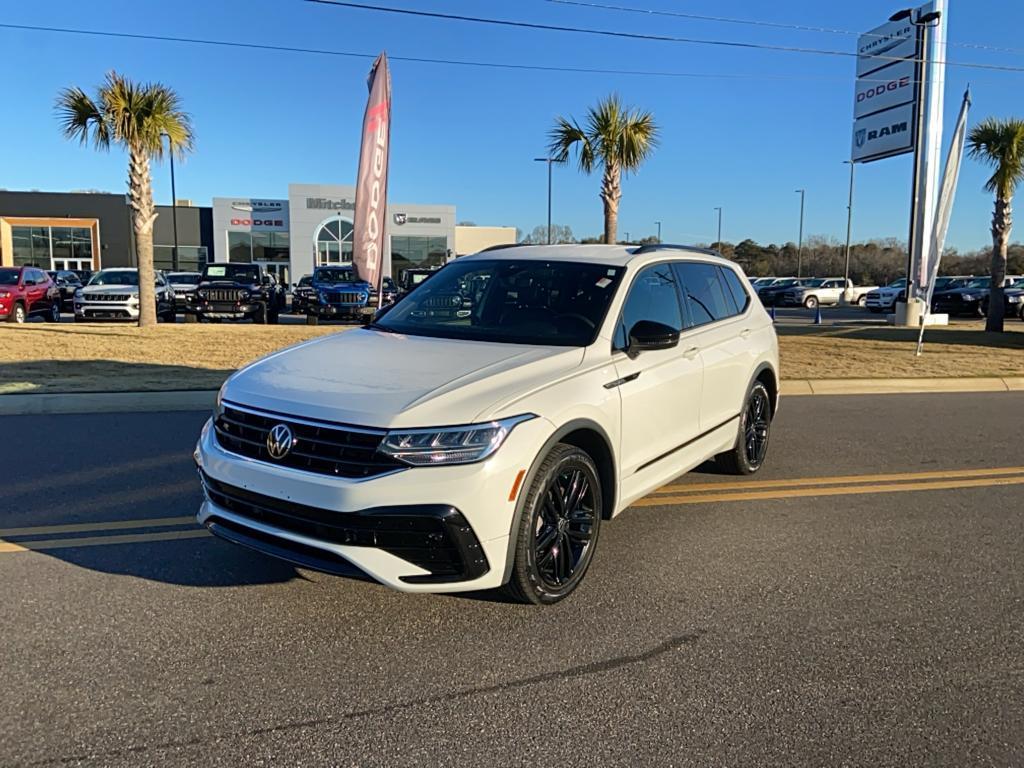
[(826, 291), (235, 292)]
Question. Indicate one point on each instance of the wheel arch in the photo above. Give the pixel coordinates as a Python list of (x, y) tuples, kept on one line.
[(766, 374), (589, 436)]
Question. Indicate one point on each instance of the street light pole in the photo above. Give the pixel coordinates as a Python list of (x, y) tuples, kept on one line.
[(659, 231), (800, 242), (719, 228), (549, 161), (849, 220), (174, 206)]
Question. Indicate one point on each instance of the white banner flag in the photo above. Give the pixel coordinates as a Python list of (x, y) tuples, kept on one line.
[(943, 210)]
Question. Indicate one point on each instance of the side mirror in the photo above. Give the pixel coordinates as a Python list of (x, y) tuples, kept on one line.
[(647, 335)]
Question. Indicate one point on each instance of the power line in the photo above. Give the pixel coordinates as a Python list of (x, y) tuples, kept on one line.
[(418, 59), (760, 23), (635, 35)]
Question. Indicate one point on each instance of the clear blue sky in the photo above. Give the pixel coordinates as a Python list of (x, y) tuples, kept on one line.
[(466, 136)]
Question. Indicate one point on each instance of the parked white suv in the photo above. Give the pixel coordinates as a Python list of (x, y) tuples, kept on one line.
[(436, 452)]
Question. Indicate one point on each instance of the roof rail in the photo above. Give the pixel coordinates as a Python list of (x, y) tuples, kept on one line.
[(503, 246), (654, 247)]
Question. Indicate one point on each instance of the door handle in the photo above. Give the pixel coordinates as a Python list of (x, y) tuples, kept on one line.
[(745, 332), (691, 353)]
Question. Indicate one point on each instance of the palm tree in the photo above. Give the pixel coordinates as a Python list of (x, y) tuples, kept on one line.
[(135, 116), (1000, 144), (616, 139)]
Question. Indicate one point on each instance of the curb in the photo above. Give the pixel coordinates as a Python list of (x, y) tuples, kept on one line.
[(203, 400), (107, 402), (898, 386)]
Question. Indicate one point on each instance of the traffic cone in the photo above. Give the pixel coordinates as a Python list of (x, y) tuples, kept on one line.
[(817, 315)]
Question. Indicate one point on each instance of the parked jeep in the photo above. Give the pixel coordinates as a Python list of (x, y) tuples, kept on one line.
[(235, 292), (338, 293), (302, 293), (824, 291)]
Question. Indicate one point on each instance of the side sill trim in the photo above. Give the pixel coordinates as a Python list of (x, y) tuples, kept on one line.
[(678, 448)]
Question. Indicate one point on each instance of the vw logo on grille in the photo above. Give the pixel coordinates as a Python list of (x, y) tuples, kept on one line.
[(279, 441)]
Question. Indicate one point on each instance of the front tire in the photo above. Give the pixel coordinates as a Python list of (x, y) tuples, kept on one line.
[(312, 320), (53, 316), (754, 430), (18, 314), (559, 527)]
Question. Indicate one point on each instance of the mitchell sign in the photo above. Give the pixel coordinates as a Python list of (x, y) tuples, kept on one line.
[(327, 204)]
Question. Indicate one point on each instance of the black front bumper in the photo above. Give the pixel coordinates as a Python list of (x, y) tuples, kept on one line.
[(327, 311), (435, 537)]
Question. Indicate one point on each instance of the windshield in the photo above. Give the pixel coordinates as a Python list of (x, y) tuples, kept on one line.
[(335, 275), (115, 277), (558, 303), (897, 283), (183, 278), (305, 280), (243, 273), (9, 276)]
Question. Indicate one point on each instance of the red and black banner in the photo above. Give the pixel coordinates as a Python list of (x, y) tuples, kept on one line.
[(368, 246)]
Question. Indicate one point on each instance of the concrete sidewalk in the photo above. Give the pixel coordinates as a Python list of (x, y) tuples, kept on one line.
[(203, 400)]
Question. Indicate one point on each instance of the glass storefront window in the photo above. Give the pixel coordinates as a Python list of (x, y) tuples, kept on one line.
[(52, 247), (60, 239), (417, 251), (191, 258), (81, 243), (334, 242), (240, 247)]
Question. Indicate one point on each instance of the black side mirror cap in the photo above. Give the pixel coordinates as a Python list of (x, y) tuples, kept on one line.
[(648, 335)]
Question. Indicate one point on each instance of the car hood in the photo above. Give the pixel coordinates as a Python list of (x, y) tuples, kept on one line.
[(95, 290), (342, 285), (375, 379)]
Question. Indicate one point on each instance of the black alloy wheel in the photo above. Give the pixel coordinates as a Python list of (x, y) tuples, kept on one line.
[(558, 529), (54, 315), (754, 431)]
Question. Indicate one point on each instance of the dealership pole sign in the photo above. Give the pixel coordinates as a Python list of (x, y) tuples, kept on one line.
[(372, 179), (886, 92), (897, 108)]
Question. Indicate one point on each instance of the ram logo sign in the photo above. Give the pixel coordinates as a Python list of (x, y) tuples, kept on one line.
[(884, 134)]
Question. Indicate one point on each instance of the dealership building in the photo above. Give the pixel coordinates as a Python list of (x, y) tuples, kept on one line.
[(289, 236), (313, 226)]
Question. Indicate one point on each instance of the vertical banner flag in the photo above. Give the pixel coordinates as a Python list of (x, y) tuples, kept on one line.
[(943, 210), (368, 245)]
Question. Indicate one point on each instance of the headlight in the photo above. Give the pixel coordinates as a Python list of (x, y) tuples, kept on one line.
[(1011, 299), (968, 297), (78, 293), (449, 445), (218, 407), (5, 294)]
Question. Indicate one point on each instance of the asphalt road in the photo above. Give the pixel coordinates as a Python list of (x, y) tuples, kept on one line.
[(801, 618)]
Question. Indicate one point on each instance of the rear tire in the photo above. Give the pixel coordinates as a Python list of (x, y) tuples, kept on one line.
[(558, 529), (752, 439), (53, 316), (260, 316)]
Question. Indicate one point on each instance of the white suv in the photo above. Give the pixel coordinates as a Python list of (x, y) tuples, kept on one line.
[(437, 452)]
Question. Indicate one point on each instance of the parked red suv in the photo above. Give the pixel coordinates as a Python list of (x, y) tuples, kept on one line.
[(27, 291)]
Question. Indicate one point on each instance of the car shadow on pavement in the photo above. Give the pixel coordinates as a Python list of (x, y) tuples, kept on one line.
[(125, 485)]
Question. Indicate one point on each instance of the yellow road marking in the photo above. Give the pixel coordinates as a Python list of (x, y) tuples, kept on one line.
[(95, 541), (849, 490), (840, 480), (153, 522)]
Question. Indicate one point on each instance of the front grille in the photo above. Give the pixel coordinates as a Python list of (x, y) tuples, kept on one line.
[(345, 297), (223, 294), (436, 538), (324, 449), (122, 297), (442, 302)]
